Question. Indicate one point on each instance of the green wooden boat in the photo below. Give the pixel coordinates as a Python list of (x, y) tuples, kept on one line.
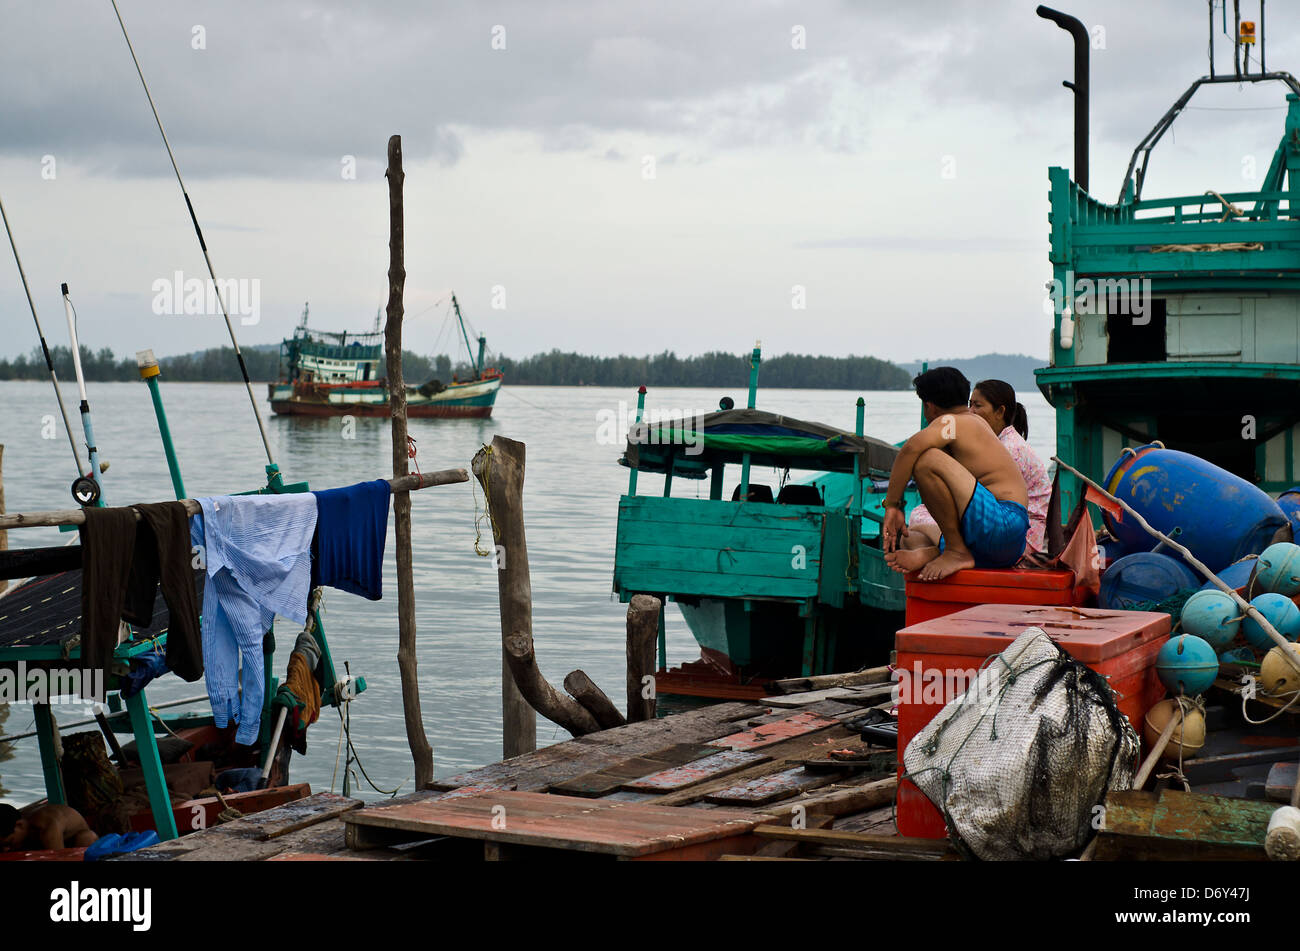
[(1178, 319), (771, 583)]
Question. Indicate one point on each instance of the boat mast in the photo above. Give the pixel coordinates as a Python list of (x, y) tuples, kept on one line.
[(478, 369), (49, 363), (243, 369)]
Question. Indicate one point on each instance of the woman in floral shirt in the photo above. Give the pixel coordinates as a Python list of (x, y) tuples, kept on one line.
[(994, 401)]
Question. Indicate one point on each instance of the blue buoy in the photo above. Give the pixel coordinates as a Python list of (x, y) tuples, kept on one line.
[(1219, 517), (1187, 665), (1281, 612), (1212, 616), (1235, 576), (1279, 569), (1144, 578)]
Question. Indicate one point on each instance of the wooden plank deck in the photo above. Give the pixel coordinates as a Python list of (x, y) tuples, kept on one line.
[(541, 820)]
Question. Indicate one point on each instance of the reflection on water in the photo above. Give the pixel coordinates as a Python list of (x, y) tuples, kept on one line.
[(571, 493)]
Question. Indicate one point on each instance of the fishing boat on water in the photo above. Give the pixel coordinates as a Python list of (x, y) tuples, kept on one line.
[(776, 580), (325, 373)]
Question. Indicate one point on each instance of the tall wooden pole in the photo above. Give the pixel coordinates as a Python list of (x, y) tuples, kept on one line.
[(421, 752)]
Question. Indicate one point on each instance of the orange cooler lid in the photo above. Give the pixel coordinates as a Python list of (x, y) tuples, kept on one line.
[(1091, 635)]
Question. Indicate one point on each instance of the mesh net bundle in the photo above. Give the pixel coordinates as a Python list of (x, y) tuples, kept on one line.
[(1019, 763)]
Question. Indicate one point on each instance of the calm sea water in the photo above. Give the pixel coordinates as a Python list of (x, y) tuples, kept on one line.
[(571, 496)]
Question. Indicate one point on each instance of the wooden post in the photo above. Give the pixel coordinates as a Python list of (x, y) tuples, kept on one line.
[(642, 632), (583, 689), (421, 752), (500, 470)]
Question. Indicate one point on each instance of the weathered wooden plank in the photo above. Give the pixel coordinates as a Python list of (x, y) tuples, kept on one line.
[(566, 822), (772, 788), (731, 584), (293, 816), (769, 733), (771, 538), (858, 845), (1176, 825), (661, 511), (1281, 781), (611, 778), (710, 767), (875, 675), (740, 558)]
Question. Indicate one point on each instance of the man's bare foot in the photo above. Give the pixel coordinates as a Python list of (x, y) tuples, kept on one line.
[(950, 562), (905, 560)]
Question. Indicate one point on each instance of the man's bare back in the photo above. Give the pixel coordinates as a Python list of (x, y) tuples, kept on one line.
[(982, 454)]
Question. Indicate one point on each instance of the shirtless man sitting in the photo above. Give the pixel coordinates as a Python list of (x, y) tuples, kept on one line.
[(968, 481), (47, 827)]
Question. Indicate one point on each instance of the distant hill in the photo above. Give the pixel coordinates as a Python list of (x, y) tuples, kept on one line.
[(1014, 368)]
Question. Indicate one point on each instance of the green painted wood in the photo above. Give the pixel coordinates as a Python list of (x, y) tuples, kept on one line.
[(775, 539), (147, 749), (699, 584), (734, 559), (767, 515), (54, 790)]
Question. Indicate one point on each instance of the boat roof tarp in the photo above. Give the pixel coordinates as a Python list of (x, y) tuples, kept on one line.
[(696, 443)]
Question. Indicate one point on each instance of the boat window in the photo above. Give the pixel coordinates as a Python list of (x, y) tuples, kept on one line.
[(1134, 339), (757, 493), (799, 494)]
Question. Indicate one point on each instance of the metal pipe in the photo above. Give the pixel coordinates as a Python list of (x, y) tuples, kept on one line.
[(755, 359), (149, 372), (153, 706), (1080, 86)]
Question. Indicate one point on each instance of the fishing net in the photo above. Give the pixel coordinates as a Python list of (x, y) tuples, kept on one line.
[(1020, 762)]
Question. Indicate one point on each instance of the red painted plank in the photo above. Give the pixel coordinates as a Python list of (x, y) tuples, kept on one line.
[(769, 788), (769, 733), (679, 777)]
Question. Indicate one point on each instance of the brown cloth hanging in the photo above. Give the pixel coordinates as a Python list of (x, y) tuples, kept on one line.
[(122, 563)]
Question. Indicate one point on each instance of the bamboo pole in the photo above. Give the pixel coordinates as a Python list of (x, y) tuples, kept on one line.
[(500, 470), (642, 632), (403, 485), (1251, 611), (421, 751)]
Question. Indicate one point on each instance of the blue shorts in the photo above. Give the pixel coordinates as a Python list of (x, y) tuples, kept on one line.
[(993, 531)]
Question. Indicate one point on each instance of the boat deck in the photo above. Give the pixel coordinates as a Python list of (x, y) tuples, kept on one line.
[(732, 780)]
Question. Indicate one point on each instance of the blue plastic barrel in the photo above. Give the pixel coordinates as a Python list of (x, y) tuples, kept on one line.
[(1143, 578), (1110, 551), (1289, 503), (1220, 517), (1235, 576)]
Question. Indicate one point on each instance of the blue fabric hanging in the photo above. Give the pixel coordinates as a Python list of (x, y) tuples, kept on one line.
[(351, 528)]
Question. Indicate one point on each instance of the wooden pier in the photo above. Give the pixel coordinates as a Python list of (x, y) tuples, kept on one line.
[(737, 781)]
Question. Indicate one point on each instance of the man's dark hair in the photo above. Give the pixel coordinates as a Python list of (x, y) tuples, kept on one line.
[(945, 387), (9, 817)]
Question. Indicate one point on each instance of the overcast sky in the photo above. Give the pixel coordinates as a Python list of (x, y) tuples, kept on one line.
[(894, 168)]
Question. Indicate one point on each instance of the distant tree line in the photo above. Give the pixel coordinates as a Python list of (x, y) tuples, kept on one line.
[(555, 368)]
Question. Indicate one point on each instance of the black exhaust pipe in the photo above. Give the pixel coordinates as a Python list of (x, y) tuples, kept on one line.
[(1082, 44)]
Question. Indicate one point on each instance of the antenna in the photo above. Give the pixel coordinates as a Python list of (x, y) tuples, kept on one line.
[(303, 322)]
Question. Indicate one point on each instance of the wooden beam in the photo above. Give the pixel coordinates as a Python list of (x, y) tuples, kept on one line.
[(583, 689), (499, 469), (642, 632), (407, 483), (875, 675), (421, 751)]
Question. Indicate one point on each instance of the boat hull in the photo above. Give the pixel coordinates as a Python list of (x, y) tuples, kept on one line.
[(459, 401)]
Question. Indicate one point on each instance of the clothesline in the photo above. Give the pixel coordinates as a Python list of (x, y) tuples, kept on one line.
[(408, 483)]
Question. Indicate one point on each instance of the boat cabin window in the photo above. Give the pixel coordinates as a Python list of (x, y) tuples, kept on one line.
[(1137, 338), (799, 494), (757, 493)]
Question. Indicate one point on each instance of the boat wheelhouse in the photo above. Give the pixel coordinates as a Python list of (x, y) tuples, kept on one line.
[(774, 581)]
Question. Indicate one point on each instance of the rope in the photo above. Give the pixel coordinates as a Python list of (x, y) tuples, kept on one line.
[(411, 452), (487, 511)]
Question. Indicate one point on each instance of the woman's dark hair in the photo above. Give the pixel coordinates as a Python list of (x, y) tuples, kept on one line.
[(945, 387), (9, 817), (1002, 395)]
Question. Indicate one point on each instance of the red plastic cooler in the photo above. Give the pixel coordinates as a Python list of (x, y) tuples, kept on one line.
[(1119, 645), (960, 590)]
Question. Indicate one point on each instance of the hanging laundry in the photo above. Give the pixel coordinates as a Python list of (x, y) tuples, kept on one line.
[(257, 557), (123, 561), (351, 528), (300, 692)]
